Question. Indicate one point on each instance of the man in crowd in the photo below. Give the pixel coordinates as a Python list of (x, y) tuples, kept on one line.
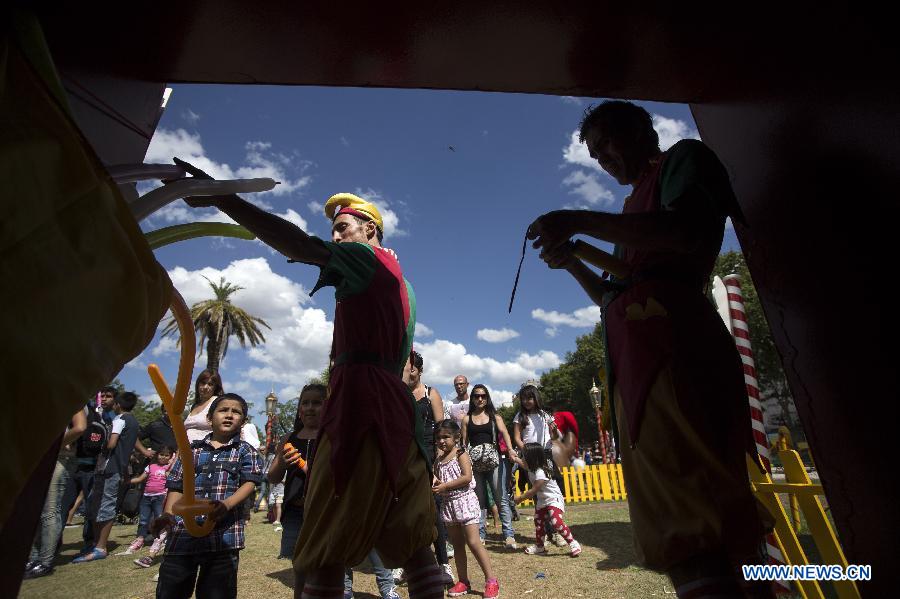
[(159, 433), (459, 406), (368, 460), (678, 389)]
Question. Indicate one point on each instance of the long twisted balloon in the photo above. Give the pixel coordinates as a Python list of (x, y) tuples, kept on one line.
[(188, 507)]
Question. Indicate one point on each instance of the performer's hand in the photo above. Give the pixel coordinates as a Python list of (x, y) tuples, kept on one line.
[(161, 523), (553, 229), (561, 257), (218, 512)]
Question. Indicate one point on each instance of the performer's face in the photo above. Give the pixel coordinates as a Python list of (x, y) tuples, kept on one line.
[(346, 228), (615, 156)]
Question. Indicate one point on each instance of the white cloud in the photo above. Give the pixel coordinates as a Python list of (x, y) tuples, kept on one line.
[(577, 153), (570, 100), (445, 359), (316, 207), (672, 130), (389, 217), (496, 335), (344, 141), (190, 116), (587, 187), (500, 397), (297, 346), (423, 331), (580, 318), (166, 345)]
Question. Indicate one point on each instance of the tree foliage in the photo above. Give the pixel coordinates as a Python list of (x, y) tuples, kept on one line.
[(217, 320), (567, 386)]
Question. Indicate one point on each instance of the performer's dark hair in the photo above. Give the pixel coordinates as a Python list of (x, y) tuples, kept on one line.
[(620, 120)]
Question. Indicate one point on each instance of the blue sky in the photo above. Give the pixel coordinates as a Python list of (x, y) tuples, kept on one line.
[(456, 217)]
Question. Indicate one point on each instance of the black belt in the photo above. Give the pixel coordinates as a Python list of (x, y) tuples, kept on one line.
[(364, 357)]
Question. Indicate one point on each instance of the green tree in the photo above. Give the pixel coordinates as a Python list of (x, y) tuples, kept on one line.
[(567, 386), (217, 320), (770, 374)]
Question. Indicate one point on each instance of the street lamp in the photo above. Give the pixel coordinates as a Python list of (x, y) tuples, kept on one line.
[(271, 402), (597, 400)]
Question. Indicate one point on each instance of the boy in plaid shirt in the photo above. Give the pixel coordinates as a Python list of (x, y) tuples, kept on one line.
[(227, 471)]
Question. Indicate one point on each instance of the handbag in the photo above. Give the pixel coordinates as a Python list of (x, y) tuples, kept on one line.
[(485, 456)]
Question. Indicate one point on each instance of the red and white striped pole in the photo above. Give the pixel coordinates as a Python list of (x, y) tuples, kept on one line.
[(737, 324)]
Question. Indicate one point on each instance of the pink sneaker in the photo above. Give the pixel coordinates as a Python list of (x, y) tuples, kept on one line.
[(460, 588), (136, 545), (492, 589)]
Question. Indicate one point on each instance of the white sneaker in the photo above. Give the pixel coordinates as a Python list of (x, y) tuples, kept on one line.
[(448, 574), (511, 543), (155, 577), (535, 550), (398, 575), (450, 551), (277, 526), (558, 540), (574, 548)]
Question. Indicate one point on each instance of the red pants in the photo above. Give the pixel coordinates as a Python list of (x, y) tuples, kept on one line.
[(555, 517)]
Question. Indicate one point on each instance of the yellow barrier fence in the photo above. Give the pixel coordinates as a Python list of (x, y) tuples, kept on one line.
[(597, 482), (804, 494)]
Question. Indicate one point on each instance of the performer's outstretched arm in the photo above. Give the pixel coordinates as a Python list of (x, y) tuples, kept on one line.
[(276, 232)]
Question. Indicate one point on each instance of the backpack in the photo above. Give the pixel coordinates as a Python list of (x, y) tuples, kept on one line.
[(93, 439)]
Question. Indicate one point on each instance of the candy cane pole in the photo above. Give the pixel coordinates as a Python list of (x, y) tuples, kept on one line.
[(731, 308)]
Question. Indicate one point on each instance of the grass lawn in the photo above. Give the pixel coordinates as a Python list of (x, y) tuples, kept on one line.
[(604, 569)]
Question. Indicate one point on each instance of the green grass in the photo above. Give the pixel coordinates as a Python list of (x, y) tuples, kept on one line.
[(604, 569)]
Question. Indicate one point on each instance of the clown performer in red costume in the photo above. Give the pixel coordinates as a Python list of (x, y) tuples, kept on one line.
[(370, 486), (677, 380)]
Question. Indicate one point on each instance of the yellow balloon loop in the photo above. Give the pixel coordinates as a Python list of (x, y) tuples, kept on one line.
[(188, 507)]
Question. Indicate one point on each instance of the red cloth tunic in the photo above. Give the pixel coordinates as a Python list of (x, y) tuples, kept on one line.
[(664, 316), (374, 320)]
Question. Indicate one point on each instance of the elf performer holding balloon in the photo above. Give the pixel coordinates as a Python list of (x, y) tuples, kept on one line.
[(370, 485)]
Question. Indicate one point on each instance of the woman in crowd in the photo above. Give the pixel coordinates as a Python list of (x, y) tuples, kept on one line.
[(482, 429)]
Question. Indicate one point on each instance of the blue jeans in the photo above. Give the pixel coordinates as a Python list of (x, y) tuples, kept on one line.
[(383, 577), (217, 580), (151, 507), (291, 521), (50, 525), (262, 494), (497, 479)]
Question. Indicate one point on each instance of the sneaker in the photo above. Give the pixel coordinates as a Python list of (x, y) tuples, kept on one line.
[(348, 594), (535, 550), (392, 594), (492, 589), (459, 589), (155, 577), (398, 575), (574, 548), (558, 540), (450, 551), (144, 562), (277, 526), (448, 574), (31, 565), (38, 571), (157, 546), (511, 543)]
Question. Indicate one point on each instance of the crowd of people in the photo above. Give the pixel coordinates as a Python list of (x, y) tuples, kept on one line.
[(378, 467)]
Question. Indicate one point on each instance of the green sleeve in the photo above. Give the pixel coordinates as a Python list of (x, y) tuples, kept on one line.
[(693, 178), (349, 269)]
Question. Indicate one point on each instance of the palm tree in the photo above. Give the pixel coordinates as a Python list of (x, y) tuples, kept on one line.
[(216, 320)]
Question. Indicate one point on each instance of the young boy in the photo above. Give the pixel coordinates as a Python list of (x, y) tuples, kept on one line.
[(227, 471), (112, 464)]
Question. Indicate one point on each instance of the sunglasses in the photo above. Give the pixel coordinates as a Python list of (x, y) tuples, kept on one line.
[(479, 396)]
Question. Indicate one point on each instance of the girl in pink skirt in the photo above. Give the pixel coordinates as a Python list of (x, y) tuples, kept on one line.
[(460, 510)]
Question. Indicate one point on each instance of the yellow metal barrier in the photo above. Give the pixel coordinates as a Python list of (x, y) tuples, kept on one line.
[(804, 495), (597, 482)]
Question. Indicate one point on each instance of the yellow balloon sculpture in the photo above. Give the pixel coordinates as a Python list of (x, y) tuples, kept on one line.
[(188, 507)]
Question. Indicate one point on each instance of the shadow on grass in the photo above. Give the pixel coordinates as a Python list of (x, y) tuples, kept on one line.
[(612, 538), (286, 577)]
